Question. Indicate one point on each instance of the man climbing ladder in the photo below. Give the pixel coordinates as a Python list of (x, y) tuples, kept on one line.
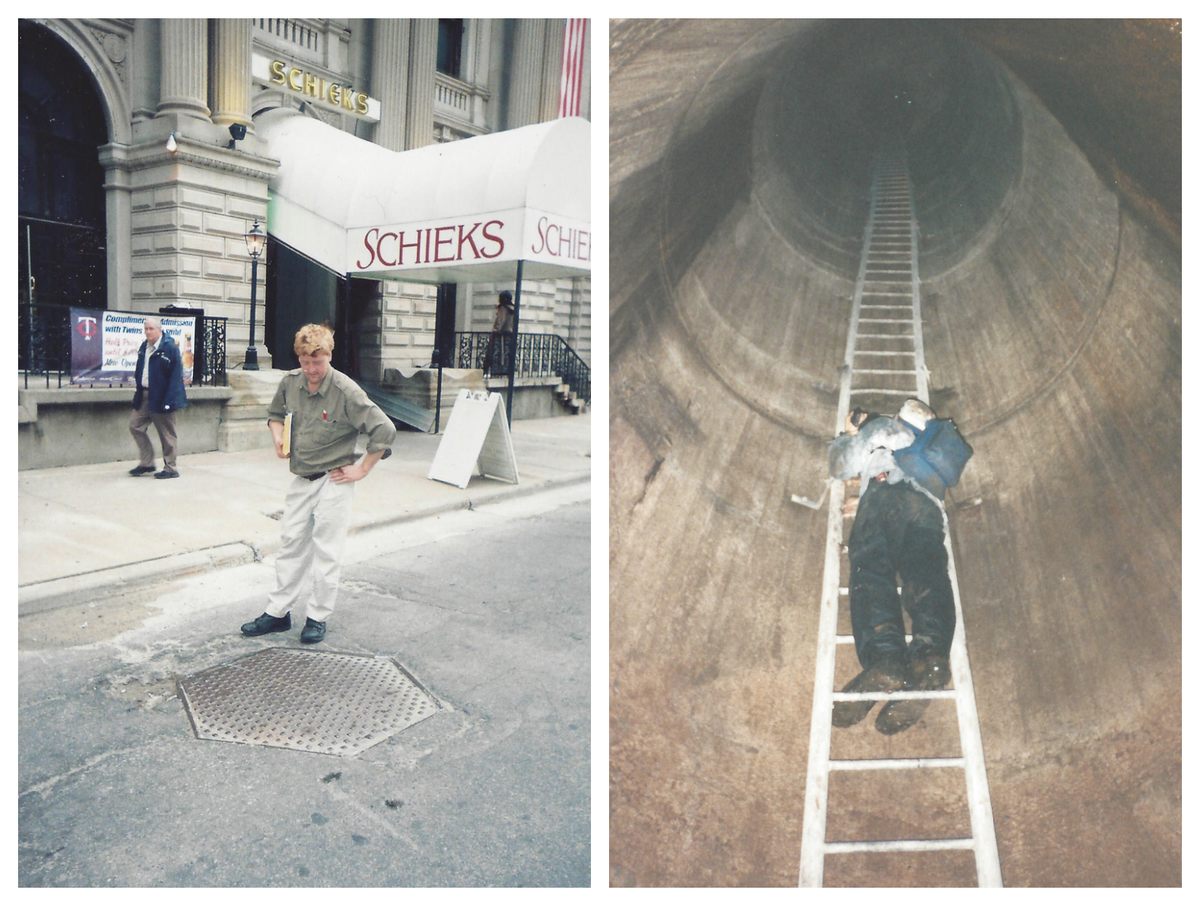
[(898, 531)]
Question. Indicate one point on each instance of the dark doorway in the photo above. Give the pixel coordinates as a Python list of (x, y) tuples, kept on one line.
[(300, 291), (60, 209), (360, 326), (443, 336)]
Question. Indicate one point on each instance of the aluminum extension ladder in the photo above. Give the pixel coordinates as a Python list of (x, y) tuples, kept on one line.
[(885, 363)]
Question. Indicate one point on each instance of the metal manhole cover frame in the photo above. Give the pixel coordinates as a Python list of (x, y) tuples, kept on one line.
[(199, 707)]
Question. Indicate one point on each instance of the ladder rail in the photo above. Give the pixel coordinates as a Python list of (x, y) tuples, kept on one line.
[(820, 731)]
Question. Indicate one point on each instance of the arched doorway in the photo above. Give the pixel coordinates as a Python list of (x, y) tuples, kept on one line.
[(61, 213)]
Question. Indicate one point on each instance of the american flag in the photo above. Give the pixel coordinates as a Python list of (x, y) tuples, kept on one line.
[(571, 88)]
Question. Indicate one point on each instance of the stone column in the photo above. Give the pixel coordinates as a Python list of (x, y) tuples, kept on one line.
[(525, 73), (552, 62), (184, 82), (422, 64), (389, 80), (118, 220), (231, 40)]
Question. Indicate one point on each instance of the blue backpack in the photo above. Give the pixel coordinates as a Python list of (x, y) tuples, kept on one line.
[(936, 457)]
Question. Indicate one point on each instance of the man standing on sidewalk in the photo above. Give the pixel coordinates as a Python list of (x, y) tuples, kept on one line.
[(159, 394), (323, 412)]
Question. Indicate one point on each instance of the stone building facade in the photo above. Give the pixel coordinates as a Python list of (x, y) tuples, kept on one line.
[(136, 190)]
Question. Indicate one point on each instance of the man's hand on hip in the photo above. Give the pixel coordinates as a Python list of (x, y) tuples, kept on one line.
[(346, 474)]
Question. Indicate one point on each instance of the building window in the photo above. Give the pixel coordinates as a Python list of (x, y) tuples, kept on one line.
[(450, 41)]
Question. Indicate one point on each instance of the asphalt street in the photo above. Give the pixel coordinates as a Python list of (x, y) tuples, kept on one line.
[(487, 608)]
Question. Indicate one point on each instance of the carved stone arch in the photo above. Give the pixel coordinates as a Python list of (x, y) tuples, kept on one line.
[(262, 101), (113, 93)]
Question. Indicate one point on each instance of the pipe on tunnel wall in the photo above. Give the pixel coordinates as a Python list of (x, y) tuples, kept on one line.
[(1052, 331)]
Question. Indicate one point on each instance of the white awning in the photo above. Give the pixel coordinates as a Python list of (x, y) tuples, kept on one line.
[(456, 212)]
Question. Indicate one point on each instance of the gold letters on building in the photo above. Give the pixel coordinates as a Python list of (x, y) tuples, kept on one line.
[(316, 87)]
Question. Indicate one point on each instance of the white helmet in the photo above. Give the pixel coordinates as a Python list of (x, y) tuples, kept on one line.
[(916, 413)]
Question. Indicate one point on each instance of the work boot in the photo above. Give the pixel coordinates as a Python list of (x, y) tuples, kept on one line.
[(927, 672), (885, 676), (267, 623)]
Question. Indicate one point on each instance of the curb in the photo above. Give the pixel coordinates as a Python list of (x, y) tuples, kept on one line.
[(51, 594)]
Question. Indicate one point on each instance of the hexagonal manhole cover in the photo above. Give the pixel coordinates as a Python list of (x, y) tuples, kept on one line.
[(315, 701)]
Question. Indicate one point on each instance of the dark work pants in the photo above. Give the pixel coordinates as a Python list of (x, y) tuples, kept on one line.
[(899, 538), (495, 359)]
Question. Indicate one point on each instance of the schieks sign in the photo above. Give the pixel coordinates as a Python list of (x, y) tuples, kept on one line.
[(505, 236), (313, 87)]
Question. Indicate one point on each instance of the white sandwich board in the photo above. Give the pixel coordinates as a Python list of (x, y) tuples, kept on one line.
[(477, 435)]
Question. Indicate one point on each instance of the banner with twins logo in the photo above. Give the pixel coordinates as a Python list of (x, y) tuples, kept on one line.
[(104, 344)]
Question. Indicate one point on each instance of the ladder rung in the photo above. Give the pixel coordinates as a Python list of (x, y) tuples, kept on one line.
[(911, 846), (893, 764), (858, 352), (881, 390), (885, 320), (922, 694), (881, 371), (849, 639)]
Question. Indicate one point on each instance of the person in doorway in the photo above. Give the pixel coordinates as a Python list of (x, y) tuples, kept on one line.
[(323, 412), (495, 360), (899, 531), (159, 395)]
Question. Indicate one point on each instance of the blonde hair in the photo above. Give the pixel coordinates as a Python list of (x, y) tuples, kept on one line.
[(313, 338)]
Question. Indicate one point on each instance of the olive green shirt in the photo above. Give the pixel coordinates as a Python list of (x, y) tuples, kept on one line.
[(326, 423)]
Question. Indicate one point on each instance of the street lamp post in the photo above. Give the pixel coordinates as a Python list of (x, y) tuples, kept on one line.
[(256, 240)]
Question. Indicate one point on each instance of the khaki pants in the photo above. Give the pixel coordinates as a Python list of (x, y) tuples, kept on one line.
[(139, 426), (316, 518)]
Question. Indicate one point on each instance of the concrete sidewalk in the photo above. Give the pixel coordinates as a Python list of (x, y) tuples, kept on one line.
[(93, 528)]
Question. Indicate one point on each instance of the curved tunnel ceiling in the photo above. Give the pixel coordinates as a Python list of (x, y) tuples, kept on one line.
[(741, 162)]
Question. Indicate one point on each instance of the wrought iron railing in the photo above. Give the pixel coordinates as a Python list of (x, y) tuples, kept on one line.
[(538, 355), (44, 346)]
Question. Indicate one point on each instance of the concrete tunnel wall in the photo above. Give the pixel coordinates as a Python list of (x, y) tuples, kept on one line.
[(740, 159)]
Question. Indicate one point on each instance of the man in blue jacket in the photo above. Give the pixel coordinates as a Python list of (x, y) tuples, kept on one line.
[(899, 531), (159, 394)]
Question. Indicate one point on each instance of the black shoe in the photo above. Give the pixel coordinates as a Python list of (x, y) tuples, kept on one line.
[(927, 672), (167, 472), (312, 631), (267, 623), (886, 676), (137, 471)]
